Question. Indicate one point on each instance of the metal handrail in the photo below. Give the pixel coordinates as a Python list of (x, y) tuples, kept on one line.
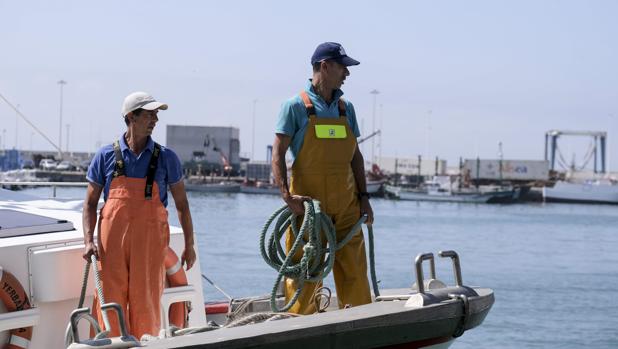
[(418, 263), (456, 267), (47, 184), (54, 185)]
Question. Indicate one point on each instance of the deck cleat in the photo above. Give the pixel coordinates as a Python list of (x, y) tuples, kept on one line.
[(434, 291), (124, 341)]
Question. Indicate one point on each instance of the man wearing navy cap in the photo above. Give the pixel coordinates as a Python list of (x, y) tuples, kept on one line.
[(320, 129)]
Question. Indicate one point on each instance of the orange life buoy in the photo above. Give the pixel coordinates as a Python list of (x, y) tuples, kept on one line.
[(176, 276), (14, 298)]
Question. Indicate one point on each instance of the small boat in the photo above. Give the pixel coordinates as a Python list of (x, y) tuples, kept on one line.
[(438, 189), (40, 254), (212, 187), (376, 179), (253, 187), (602, 191)]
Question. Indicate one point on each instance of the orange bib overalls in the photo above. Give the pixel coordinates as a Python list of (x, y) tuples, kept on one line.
[(133, 233), (323, 171)]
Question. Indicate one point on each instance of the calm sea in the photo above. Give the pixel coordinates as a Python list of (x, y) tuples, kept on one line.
[(553, 267)]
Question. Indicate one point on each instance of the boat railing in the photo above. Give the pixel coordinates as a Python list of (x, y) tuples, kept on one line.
[(53, 185), (19, 319)]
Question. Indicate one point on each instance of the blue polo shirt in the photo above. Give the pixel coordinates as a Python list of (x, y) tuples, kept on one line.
[(293, 118), (169, 169)]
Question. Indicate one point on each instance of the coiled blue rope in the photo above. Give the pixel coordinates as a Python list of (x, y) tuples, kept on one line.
[(317, 260)]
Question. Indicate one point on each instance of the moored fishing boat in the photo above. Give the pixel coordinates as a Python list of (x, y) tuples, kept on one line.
[(439, 189), (48, 234), (259, 188), (212, 187)]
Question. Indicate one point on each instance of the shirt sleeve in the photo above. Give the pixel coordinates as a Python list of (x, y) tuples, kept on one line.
[(173, 166), (96, 169), (352, 119), (286, 122)]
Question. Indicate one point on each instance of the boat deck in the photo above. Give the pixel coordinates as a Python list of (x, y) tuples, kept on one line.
[(375, 325)]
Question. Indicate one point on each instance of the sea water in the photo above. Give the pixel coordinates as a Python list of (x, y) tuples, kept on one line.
[(553, 267)]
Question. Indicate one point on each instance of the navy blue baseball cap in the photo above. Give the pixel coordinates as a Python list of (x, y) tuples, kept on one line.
[(334, 51)]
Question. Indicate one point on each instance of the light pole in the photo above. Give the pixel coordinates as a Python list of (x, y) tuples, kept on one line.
[(253, 132), (607, 154), (67, 148), (381, 130), (375, 94), (16, 124), (61, 83), (428, 135), (362, 130), (500, 156)]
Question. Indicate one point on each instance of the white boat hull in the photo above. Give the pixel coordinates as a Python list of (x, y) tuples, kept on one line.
[(374, 187), (247, 189), (50, 269), (223, 187), (591, 192)]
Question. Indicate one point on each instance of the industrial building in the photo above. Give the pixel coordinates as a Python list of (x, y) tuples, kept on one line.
[(205, 148)]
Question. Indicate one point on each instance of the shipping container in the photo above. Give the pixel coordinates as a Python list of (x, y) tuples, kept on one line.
[(514, 170)]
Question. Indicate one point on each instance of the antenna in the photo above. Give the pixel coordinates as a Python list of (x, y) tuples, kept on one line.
[(31, 124)]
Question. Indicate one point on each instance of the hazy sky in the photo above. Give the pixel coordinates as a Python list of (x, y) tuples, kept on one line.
[(456, 77)]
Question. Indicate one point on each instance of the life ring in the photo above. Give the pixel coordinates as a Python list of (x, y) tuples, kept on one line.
[(14, 298), (176, 276)]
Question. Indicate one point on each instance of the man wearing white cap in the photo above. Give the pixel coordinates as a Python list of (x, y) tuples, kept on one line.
[(134, 174)]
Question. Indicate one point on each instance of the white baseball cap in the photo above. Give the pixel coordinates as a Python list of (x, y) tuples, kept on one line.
[(143, 100)]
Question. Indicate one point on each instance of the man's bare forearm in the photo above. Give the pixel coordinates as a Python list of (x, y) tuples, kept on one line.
[(184, 217), (89, 212), (184, 212), (89, 222), (279, 167), (358, 169), (281, 176)]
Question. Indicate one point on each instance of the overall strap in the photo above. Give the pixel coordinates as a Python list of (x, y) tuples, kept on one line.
[(119, 163), (308, 104), (341, 107), (311, 109), (152, 169)]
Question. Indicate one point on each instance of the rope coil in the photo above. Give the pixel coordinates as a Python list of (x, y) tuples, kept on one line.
[(317, 260)]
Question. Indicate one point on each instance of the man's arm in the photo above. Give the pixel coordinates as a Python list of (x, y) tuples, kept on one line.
[(89, 219), (280, 173), (184, 216), (358, 169)]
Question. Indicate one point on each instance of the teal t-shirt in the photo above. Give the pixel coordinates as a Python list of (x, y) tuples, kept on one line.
[(293, 117)]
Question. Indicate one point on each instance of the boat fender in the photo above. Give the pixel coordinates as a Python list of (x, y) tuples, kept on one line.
[(14, 298), (179, 312)]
